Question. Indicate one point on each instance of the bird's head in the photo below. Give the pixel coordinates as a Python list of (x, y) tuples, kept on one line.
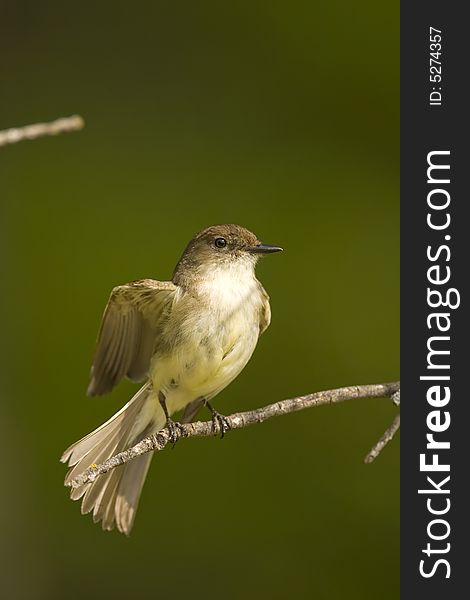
[(222, 246)]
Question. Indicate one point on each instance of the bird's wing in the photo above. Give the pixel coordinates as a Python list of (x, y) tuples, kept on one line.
[(265, 312), (129, 332)]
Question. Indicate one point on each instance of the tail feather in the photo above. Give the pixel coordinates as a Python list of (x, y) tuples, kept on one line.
[(95, 490), (104, 496), (114, 497), (130, 489), (77, 451), (102, 451), (106, 510)]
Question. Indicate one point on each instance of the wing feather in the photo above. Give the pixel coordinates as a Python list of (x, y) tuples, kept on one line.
[(129, 332)]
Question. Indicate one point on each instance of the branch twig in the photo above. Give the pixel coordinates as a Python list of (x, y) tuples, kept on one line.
[(158, 441), (387, 437), (31, 132)]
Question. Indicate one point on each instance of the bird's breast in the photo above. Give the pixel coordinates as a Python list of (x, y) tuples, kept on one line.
[(213, 333)]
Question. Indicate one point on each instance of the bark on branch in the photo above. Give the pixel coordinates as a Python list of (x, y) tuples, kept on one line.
[(31, 132), (158, 441)]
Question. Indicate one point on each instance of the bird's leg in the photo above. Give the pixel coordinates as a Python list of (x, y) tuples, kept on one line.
[(219, 422), (172, 426)]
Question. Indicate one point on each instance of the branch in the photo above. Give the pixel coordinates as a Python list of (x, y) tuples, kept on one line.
[(31, 132), (158, 441), (387, 437)]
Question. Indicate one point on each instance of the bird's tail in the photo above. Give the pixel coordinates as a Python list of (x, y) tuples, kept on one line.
[(114, 497)]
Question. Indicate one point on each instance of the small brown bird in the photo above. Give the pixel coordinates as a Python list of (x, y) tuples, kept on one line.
[(187, 339)]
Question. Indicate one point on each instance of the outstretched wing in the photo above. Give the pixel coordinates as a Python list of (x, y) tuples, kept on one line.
[(129, 332)]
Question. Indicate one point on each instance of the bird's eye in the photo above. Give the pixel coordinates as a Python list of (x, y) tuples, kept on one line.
[(220, 242)]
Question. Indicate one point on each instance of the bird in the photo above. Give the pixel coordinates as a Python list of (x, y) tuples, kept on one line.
[(185, 340)]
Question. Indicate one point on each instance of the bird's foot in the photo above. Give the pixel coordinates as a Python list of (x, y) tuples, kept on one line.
[(220, 424), (175, 430)]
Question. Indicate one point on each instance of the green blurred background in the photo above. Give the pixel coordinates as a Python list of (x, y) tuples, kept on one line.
[(282, 117)]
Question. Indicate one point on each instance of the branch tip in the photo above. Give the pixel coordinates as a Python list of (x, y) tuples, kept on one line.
[(37, 130)]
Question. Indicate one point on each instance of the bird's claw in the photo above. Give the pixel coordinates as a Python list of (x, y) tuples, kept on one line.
[(220, 424), (175, 430)]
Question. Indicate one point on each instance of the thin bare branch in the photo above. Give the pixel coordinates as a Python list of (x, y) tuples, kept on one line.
[(384, 440), (158, 441), (31, 132)]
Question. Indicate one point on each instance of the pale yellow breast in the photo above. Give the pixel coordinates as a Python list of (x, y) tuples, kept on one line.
[(215, 335)]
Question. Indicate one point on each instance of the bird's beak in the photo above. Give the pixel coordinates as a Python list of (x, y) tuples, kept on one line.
[(263, 249)]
